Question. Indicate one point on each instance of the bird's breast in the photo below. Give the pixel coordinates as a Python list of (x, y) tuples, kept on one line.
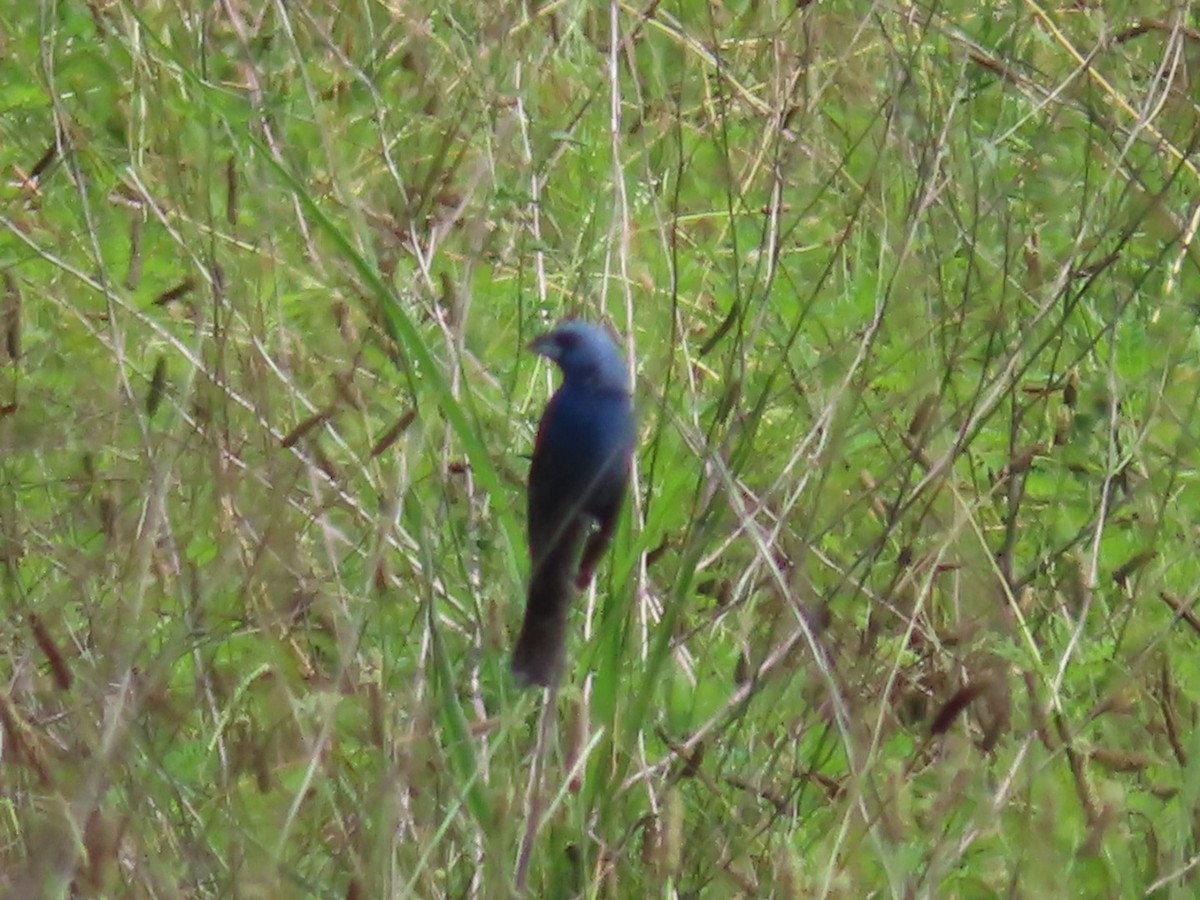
[(590, 434)]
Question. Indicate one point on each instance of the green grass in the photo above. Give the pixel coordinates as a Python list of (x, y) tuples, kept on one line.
[(901, 605)]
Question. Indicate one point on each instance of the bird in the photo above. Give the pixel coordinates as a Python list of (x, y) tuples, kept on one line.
[(578, 478)]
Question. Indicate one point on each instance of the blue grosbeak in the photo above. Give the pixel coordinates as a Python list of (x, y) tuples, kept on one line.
[(577, 480)]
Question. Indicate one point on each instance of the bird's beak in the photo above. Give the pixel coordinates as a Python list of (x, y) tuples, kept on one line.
[(545, 345)]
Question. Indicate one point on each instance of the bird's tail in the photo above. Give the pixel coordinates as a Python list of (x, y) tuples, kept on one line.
[(538, 657)]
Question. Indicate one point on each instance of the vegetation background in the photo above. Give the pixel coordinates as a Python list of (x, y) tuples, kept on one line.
[(902, 604)]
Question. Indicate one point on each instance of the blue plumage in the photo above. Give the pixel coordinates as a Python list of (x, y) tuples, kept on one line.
[(577, 481)]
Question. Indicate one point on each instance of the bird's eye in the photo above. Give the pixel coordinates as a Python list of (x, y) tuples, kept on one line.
[(567, 339)]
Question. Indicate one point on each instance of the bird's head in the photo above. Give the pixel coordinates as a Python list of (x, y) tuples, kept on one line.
[(585, 353)]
